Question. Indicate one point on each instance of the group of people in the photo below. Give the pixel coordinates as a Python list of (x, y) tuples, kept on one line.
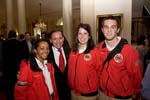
[(14, 51), (110, 71)]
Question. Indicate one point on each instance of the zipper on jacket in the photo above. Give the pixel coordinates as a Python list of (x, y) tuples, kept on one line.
[(76, 69)]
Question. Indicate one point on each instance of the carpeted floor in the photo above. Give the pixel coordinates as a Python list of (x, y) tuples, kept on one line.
[(2, 96)]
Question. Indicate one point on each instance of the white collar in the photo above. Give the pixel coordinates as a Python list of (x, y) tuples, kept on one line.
[(111, 48), (81, 50), (40, 64), (56, 49)]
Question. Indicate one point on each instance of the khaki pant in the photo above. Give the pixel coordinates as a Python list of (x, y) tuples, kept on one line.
[(102, 96), (74, 96)]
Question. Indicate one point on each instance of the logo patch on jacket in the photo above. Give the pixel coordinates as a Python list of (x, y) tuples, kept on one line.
[(118, 58), (138, 62), (87, 57)]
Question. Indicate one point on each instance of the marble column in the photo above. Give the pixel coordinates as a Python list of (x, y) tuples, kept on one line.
[(21, 16), (67, 20), (9, 14), (87, 14)]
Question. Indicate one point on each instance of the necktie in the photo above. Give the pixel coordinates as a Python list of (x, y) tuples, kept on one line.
[(61, 61)]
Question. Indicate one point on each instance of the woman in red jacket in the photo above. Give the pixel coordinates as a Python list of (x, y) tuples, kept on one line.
[(36, 78), (83, 64)]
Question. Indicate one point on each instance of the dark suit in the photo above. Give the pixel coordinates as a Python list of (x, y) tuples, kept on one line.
[(61, 78), (25, 54), (11, 66)]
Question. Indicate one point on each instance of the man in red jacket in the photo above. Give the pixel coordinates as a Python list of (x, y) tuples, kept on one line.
[(120, 72)]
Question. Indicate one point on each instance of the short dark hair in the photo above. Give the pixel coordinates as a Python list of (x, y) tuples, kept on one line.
[(55, 30), (27, 33), (141, 40), (65, 44), (12, 34), (112, 18)]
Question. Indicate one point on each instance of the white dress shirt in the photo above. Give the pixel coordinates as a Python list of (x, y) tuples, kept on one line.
[(111, 48), (46, 75), (56, 55)]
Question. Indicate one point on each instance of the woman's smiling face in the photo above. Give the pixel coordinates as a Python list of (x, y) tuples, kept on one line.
[(42, 50)]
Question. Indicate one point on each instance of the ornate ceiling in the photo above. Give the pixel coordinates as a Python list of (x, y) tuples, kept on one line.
[(48, 7)]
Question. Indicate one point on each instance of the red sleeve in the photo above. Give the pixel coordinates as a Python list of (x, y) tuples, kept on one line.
[(22, 83), (99, 63), (134, 66), (97, 59)]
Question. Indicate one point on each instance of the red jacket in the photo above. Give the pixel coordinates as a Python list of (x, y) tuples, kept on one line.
[(82, 72), (36, 88), (121, 76)]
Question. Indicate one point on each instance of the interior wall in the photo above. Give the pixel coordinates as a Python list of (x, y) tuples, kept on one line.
[(115, 7), (139, 26), (137, 8), (107, 7), (87, 14)]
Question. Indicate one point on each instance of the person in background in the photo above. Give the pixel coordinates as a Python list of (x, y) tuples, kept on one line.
[(142, 44), (37, 37), (83, 65), (43, 35), (147, 55), (36, 79), (11, 58), (26, 46), (2, 40), (120, 73), (21, 37), (59, 48), (146, 84)]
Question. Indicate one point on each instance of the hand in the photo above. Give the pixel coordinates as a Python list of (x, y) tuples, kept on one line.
[(18, 74)]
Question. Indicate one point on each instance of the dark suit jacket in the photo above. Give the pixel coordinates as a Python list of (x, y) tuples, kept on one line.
[(24, 49), (61, 78), (11, 61)]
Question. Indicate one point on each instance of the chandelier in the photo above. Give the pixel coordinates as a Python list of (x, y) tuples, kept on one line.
[(40, 22)]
